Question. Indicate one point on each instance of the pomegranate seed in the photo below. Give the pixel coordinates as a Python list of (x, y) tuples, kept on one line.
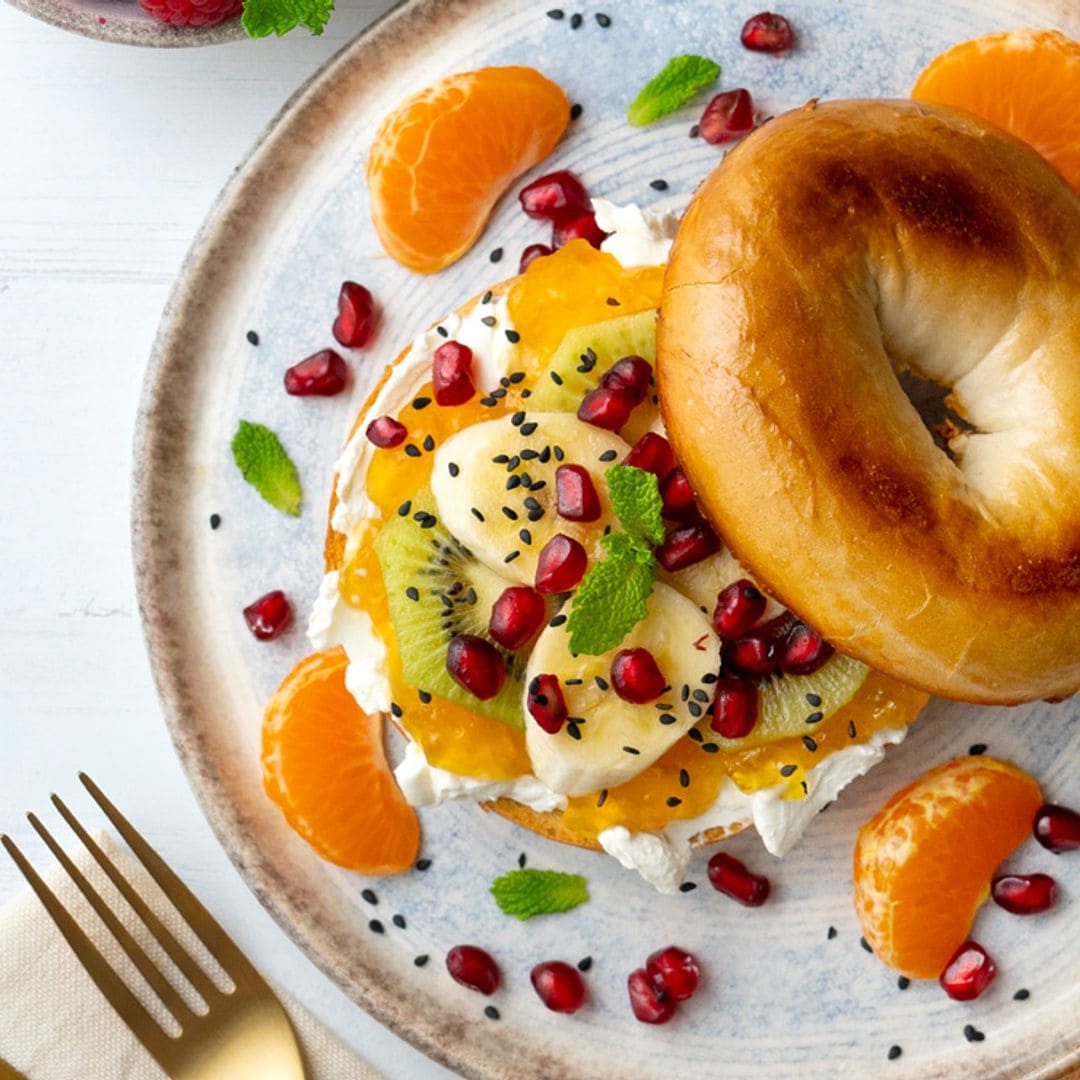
[(546, 703), (1057, 828), (475, 665), (652, 453), (735, 708), (580, 227), (558, 195), (530, 254), (607, 409), (729, 115), (729, 876), (754, 654), (451, 372), (269, 616), (559, 986), (803, 651), (516, 616), (968, 973), (355, 322), (560, 565), (738, 607), (687, 545), (322, 374), (767, 32), (677, 494), (386, 432), (1024, 894), (575, 494), (474, 968), (651, 1005), (674, 971), (636, 676), (631, 374)]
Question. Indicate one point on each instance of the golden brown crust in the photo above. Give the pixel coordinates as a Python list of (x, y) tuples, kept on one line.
[(834, 240)]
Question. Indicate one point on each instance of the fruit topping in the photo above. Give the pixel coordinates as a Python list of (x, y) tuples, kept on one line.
[(674, 971), (581, 226), (1024, 894), (686, 545), (516, 616), (385, 432), (1057, 828), (546, 703), (650, 1003), (735, 707), (554, 197), (754, 655), (533, 251), (607, 409), (968, 973), (769, 33), (803, 651), (561, 565), (729, 115), (731, 877), (636, 676), (559, 986), (475, 665), (678, 496), (575, 494), (630, 374), (318, 750), (451, 373), (192, 12), (355, 322), (269, 616), (738, 607), (323, 374), (923, 863), (473, 967), (652, 453)]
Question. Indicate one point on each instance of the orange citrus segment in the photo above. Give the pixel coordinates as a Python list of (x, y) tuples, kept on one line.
[(324, 765), (443, 157), (923, 863), (1025, 81)]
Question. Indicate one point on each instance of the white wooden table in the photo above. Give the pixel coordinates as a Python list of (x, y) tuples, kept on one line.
[(109, 159)]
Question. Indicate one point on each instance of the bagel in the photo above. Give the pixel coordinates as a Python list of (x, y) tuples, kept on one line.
[(837, 246)]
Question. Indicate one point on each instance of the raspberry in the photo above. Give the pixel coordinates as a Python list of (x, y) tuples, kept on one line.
[(192, 12)]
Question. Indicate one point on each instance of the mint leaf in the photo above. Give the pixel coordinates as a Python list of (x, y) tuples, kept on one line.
[(635, 498), (264, 17), (681, 79), (612, 597), (266, 467), (525, 893)]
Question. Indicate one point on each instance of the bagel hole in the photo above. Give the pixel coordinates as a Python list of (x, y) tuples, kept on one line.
[(930, 401)]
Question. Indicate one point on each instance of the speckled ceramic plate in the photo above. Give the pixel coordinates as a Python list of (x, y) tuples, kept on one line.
[(125, 22), (788, 991)]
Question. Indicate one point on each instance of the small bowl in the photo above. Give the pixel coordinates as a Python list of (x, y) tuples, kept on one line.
[(125, 22)]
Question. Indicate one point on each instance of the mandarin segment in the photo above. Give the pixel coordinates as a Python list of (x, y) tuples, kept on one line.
[(923, 863), (1025, 81), (325, 767), (442, 158)]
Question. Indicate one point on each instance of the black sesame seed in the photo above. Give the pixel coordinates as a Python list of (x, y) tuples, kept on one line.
[(977, 750), (510, 513), (470, 596), (513, 482), (664, 706), (511, 557), (573, 682), (538, 485), (253, 338), (815, 717), (708, 678), (517, 419), (695, 735), (429, 522), (972, 1033), (684, 778), (425, 697), (525, 394), (576, 21), (215, 521), (530, 503), (486, 298), (658, 185), (496, 255), (429, 443), (558, 620), (700, 695), (805, 789), (476, 514), (1021, 995), (412, 593), (603, 20), (710, 748), (489, 401), (537, 514), (584, 963), (442, 331), (421, 960), (851, 729), (695, 709), (489, 320), (529, 428), (396, 709), (525, 536), (831, 933), (695, 131), (369, 896), (894, 1052), (688, 886), (555, 13), (452, 468), (631, 750), (404, 508), (813, 699), (787, 770), (399, 921), (513, 337), (576, 111), (612, 302), (809, 743), (601, 682), (491, 1012), (684, 693), (903, 982), (558, 452), (517, 376), (674, 800), (667, 718), (421, 403), (376, 927), (866, 945), (529, 454), (420, 515), (413, 451), (512, 463), (601, 798), (521, 860), (573, 730)]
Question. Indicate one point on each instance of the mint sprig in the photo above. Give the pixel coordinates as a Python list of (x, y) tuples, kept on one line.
[(635, 498), (681, 78), (264, 17), (267, 467), (525, 893)]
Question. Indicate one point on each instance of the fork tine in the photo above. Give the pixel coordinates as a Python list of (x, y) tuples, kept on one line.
[(158, 983), (191, 970), (141, 1023), (205, 926)]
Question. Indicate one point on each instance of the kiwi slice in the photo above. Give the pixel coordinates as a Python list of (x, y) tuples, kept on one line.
[(583, 356), (790, 706), (436, 589)]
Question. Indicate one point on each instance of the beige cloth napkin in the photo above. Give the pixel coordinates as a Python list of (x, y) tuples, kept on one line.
[(54, 1022)]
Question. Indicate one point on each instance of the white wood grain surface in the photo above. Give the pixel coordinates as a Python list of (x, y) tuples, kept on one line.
[(109, 159)]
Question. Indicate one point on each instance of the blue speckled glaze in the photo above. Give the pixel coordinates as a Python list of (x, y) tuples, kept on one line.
[(779, 998)]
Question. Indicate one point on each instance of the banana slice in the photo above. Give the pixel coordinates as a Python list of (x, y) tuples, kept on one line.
[(618, 738), (703, 582), (494, 484)]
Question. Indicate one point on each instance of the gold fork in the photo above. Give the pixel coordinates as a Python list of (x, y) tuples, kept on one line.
[(244, 1032)]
